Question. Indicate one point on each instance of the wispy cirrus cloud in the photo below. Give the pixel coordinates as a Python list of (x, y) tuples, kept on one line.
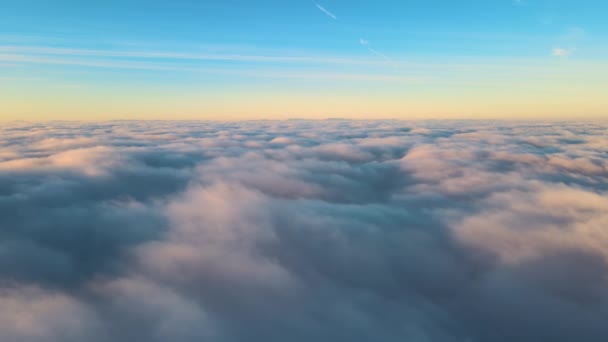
[(366, 43), (362, 41), (268, 72), (327, 12), (203, 56), (569, 42), (561, 52)]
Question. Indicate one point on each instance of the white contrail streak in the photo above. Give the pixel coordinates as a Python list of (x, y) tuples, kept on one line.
[(329, 14)]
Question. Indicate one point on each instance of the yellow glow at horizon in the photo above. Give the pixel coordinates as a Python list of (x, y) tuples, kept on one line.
[(561, 93)]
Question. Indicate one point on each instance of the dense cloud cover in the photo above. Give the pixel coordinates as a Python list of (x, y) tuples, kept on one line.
[(304, 231)]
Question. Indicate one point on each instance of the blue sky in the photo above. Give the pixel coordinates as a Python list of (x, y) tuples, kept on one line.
[(224, 48), (402, 27)]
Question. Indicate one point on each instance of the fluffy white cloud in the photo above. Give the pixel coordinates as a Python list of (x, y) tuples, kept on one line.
[(303, 230), (29, 313)]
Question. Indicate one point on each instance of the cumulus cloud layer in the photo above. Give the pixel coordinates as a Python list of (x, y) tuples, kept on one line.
[(304, 231)]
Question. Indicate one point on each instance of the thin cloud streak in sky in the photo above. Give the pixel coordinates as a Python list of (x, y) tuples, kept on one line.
[(324, 10), (218, 71), (43, 50), (366, 43)]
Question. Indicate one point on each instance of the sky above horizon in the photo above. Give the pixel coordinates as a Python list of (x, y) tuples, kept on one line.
[(270, 59)]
